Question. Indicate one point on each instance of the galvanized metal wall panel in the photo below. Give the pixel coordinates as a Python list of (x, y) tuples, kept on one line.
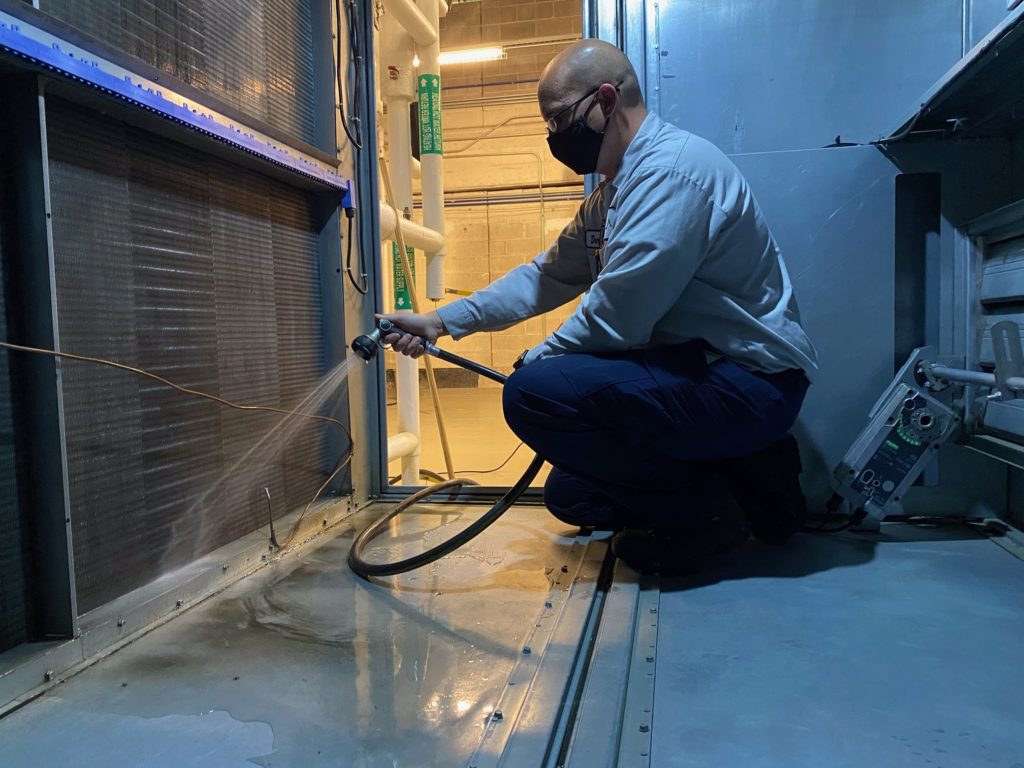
[(986, 353), (837, 241), (1017, 166), (775, 75), (983, 17), (1001, 294), (1002, 278), (205, 274), (257, 57), (771, 83), (13, 608)]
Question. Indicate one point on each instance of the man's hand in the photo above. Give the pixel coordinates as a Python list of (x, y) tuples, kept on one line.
[(415, 327)]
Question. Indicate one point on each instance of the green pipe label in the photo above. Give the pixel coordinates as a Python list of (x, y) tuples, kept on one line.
[(403, 297), (430, 114)]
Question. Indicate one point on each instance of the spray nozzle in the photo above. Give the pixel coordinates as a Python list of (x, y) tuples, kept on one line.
[(366, 346)]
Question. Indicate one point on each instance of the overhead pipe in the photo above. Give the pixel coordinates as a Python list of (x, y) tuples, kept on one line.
[(416, 235), (401, 445), (442, 8), (413, 20), (431, 149)]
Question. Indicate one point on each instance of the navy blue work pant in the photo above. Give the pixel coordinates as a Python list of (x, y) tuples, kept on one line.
[(635, 437)]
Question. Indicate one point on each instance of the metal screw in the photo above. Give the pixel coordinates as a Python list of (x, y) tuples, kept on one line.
[(177, 603), (497, 715), (120, 622), (48, 675), (565, 569), (547, 603), (654, 610), (224, 569), (644, 728), (650, 659), (527, 650)]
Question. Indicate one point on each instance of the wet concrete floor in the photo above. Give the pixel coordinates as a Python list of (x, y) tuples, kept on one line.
[(304, 664)]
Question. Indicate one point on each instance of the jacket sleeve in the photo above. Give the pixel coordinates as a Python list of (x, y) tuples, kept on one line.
[(659, 231), (553, 278)]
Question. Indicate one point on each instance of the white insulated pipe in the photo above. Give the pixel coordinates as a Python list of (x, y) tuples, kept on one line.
[(401, 445), (399, 89), (431, 159), (414, 21), (416, 235)]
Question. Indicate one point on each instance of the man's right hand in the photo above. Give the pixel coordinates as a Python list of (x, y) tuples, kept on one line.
[(415, 327)]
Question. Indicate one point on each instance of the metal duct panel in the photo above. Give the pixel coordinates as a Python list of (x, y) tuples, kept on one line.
[(257, 57), (205, 274), (1002, 291), (13, 608)]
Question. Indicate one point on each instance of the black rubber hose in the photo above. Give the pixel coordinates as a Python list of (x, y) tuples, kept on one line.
[(366, 569), (355, 555), (469, 365)]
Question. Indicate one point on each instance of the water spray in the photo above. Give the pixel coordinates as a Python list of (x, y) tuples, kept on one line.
[(367, 346), (287, 413)]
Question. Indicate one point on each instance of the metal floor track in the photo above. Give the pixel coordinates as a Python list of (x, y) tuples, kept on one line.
[(527, 650)]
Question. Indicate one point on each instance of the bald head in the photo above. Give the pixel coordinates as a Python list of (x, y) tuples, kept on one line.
[(581, 67)]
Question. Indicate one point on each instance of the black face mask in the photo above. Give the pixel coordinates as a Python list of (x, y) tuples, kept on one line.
[(578, 145)]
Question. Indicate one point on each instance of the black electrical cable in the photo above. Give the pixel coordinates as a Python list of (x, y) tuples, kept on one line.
[(365, 287), (838, 529), (425, 474), (428, 474), (353, 41), (831, 508)]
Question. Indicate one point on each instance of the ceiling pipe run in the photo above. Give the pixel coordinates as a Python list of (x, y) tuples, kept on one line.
[(413, 21), (416, 235)]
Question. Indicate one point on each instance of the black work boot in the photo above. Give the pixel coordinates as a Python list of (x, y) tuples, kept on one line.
[(673, 552), (767, 486)]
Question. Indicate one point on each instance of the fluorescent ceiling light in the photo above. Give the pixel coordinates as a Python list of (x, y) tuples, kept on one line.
[(471, 55)]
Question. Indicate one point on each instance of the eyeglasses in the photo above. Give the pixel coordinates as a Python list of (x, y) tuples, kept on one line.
[(555, 122)]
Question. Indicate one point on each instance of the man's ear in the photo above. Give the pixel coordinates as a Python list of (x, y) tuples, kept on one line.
[(609, 98)]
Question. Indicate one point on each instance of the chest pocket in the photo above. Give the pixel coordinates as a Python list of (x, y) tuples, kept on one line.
[(601, 253), (599, 223)]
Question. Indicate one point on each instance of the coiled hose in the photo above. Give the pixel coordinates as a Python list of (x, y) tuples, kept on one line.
[(365, 346)]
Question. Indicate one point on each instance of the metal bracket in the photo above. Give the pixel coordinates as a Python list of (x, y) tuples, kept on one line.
[(1009, 356)]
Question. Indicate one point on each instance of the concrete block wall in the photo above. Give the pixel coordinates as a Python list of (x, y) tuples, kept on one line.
[(484, 243), (507, 22)]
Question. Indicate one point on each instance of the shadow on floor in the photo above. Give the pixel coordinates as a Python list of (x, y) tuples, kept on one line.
[(806, 554)]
